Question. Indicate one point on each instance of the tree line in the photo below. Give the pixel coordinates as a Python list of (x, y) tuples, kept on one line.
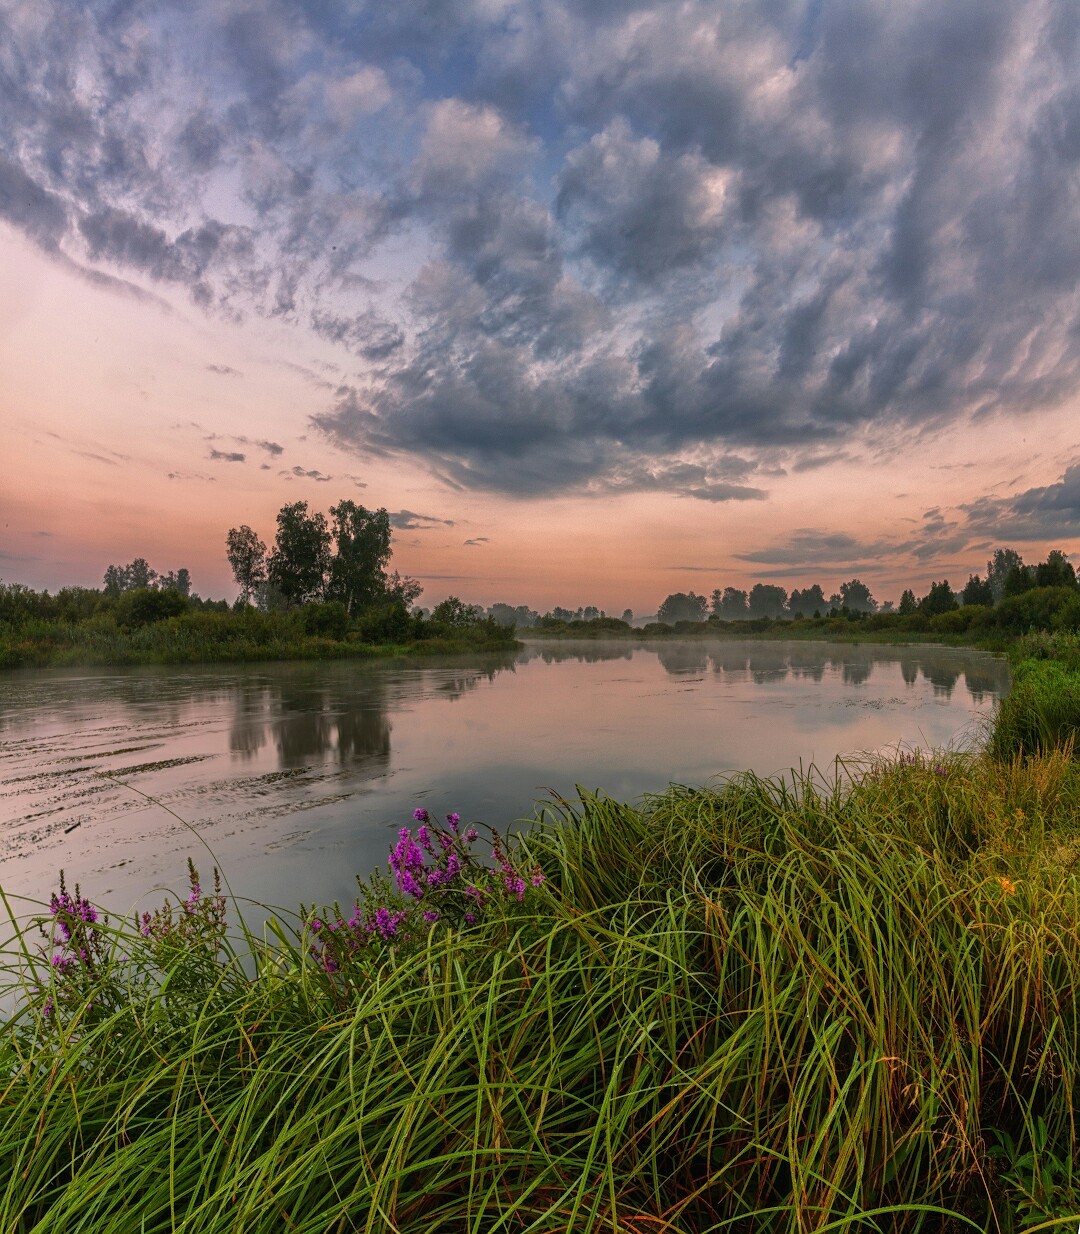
[(1006, 575)]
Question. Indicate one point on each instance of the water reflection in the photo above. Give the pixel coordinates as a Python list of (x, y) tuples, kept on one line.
[(297, 774), (775, 662)]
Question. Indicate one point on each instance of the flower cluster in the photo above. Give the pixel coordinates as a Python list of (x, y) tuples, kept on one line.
[(338, 940), (76, 946), (439, 879)]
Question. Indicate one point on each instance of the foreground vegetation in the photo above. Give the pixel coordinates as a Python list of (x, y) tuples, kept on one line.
[(800, 1005)]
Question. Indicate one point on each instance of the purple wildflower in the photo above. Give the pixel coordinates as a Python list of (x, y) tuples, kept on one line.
[(421, 815)]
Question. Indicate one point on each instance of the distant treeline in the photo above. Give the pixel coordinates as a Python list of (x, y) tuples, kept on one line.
[(1006, 577)]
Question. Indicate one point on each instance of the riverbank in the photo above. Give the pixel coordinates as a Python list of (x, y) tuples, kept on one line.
[(248, 636), (759, 1005)]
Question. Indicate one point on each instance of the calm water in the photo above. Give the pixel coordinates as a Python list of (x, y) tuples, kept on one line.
[(298, 775)]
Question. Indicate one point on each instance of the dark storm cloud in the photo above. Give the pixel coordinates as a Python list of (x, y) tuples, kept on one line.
[(621, 237), (1045, 513)]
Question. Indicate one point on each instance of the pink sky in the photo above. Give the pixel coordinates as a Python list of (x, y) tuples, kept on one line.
[(615, 303), (105, 398)]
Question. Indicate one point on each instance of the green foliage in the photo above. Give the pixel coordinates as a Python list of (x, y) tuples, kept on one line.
[(1040, 713), (454, 614), (977, 591), (856, 596), (789, 1005), (939, 599), (908, 604), (766, 600), (387, 623), (301, 558), (143, 606), (1055, 571), (326, 619), (361, 541), (247, 558), (682, 606), (1017, 581)]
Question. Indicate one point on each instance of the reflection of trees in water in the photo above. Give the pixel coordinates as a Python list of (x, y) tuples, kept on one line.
[(942, 677), (730, 659), (312, 712), (983, 678), (856, 671), (679, 659), (586, 653), (855, 664)]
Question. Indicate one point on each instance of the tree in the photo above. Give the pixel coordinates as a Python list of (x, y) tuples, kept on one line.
[(137, 573), (400, 587), (455, 614), (591, 613), (807, 602), (1055, 571), (716, 601), (908, 604), (939, 599), (1017, 581), (977, 591), (176, 580), (733, 604), (628, 616), (301, 558), (682, 606), (856, 597), (765, 600), (362, 542), (997, 570), (247, 557)]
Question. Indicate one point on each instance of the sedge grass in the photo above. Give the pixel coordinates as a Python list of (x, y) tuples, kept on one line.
[(794, 1005)]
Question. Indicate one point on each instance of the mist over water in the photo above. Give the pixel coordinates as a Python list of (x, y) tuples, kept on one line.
[(299, 775)]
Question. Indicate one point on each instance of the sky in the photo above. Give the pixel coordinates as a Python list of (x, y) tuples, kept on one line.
[(601, 299)]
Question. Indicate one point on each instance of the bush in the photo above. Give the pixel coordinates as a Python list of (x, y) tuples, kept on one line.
[(144, 606), (1039, 608), (388, 623), (329, 619)]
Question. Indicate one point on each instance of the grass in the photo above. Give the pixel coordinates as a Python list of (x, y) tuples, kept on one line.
[(810, 1004)]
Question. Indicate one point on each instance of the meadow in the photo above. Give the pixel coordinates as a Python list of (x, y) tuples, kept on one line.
[(798, 1004)]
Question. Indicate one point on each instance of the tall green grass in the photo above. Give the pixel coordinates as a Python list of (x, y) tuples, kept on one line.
[(763, 1005)]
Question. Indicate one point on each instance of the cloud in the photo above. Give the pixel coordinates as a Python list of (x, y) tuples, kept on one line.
[(476, 541), (305, 474), (407, 520), (1048, 512), (223, 370), (579, 245), (227, 456), (367, 335)]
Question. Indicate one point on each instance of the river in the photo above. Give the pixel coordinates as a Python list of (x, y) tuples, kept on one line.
[(297, 776)]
